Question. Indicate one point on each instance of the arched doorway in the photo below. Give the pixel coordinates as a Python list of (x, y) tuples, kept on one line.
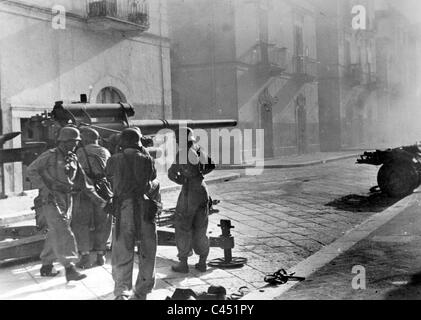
[(110, 95)]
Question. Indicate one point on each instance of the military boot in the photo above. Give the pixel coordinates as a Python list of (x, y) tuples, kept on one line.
[(84, 262), (72, 274), (48, 271), (100, 259), (201, 266), (182, 266)]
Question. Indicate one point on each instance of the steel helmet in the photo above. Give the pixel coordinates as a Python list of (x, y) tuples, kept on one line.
[(138, 130), (89, 134), (69, 133), (114, 138), (130, 137), (186, 132)]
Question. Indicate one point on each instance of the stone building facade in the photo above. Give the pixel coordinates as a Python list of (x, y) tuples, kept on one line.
[(255, 61), (50, 50)]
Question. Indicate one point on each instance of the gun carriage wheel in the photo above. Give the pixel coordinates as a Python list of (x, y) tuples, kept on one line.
[(398, 179)]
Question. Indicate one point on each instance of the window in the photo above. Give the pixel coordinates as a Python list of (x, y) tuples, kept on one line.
[(110, 95), (299, 49), (347, 53)]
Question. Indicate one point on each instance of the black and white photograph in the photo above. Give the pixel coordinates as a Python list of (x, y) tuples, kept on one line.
[(229, 151)]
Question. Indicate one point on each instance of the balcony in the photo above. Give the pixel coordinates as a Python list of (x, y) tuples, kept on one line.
[(118, 15), (277, 58), (305, 67), (356, 75), (260, 52), (265, 59)]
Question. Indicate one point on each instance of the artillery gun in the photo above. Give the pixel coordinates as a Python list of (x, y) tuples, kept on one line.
[(107, 119), (400, 171)]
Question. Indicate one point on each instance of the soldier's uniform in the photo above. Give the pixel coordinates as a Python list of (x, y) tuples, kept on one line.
[(191, 215), (57, 175), (132, 172), (90, 224)]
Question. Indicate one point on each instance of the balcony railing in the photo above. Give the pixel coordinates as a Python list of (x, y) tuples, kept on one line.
[(276, 56), (123, 15), (355, 75), (305, 66)]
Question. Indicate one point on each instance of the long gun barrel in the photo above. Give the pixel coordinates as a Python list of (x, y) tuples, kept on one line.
[(150, 127), (115, 117)]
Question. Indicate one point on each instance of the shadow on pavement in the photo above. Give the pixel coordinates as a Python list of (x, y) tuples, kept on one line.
[(375, 202), (409, 291)]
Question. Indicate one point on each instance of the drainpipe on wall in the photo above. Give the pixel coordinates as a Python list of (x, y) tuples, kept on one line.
[(161, 62)]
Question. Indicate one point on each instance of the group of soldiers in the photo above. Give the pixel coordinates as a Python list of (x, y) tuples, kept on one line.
[(87, 193)]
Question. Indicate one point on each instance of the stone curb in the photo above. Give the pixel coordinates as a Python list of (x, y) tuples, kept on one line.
[(321, 258), (290, 165), (30, 215)]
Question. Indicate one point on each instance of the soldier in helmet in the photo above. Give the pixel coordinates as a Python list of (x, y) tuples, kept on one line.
[(113, 143), (133, 176), (90, 223), (191, 214), (58, 174)]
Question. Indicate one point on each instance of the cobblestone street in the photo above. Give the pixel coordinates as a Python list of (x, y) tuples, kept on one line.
[(285, 215), (388, 263)]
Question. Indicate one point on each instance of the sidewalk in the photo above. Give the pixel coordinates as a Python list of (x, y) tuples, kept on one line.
[(378, 260)]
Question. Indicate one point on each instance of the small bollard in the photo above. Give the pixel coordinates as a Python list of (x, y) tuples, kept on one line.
[(226, 242)]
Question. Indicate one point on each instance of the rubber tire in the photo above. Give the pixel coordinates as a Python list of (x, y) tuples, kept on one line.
[(398, 179)]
